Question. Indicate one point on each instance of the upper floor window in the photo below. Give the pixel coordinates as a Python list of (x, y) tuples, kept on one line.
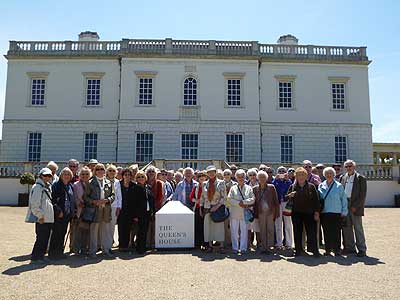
[(93, 82), (234, 147), (37, 90), (285, 91), (190, 91), (90, 146), (146, 91), (339, 93), (144, 147), (234, 97), (145, 87), (190, 148), (34, 146)]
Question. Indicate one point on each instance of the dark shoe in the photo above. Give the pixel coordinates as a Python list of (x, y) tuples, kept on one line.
[(361, 254), (300, 253), (338, 254), (266, 252), (348, 252), (328, 253), (317, 255)]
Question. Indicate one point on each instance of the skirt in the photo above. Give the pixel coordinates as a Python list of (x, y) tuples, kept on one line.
[(213, 231)]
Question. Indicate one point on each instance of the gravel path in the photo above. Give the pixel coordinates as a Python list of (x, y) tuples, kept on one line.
[(194, 275)]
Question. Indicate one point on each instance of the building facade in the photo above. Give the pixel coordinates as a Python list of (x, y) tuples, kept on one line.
[(138, 100)]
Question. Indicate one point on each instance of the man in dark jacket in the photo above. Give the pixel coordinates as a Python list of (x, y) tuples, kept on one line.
[(355, 186)]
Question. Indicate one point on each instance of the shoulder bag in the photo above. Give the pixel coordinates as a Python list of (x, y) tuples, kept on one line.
[(248, 213)]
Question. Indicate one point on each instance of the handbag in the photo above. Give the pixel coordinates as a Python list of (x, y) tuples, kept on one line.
[(220, 215), (288, 209), (248, 213), (88, 214)]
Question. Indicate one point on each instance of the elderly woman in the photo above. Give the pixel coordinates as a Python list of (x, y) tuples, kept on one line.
[(254, 227), (282, 184), (195, 196), (125, 218), (41, 213), (178, 177), (334, 207), (64, 210), (143, 209), (54, 168), (212, 197), (305, 212), (111, 175), (240, 197), (266, 210), (99, 194), (228, 184), (81, 239)]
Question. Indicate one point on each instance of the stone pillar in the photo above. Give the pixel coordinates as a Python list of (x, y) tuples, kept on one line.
[(255, 48), (394, 161), (212, 48), (377, 157), (168, 46)]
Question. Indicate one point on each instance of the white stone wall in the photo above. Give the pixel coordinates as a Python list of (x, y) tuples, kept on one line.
[(60, 140), (316, 141)]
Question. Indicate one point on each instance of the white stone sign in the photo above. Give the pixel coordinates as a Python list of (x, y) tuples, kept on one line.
[(174, 226)]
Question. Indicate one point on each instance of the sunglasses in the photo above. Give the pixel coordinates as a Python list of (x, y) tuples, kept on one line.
[(347, 167), (100, 169), (163, 174), (270, 172), (252, 175), (291, 171), (111, 171), (150, 171), (139, 177), (84, 174), (47, 175), (72, 167), (320, 168)]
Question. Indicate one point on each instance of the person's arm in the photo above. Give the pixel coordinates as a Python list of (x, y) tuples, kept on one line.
[(343, 201), (249, 198), (56, 192), (363, 191), (231, 201), (315, 201), (118, 194), (177, 192), (35, 202), (192, 197), (275, 201)]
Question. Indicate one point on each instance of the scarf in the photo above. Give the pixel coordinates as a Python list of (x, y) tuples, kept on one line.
[(211, 189)]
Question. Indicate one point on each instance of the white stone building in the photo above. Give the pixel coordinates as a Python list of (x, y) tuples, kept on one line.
[(138, 100)]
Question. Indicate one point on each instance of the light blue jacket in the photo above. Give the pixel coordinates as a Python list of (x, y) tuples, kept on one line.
[(336, 202)]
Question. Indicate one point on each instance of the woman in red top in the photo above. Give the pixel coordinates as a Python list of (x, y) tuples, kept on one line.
[(198, 220)]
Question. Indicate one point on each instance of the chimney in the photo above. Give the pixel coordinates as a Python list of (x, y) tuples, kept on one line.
[(88, 36), (288, 40)]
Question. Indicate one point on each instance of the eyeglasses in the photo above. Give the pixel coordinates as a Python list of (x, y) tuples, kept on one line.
[(111, 171), (47, 175), (291, 171), (320, 168), (233, 169), (163, 174), (139, 177), (100, 169), (150, 171), (84, 174), (269, 172), (307, 167), (251, 175), (347, 167)]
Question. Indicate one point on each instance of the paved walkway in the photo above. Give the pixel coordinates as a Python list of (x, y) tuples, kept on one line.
[(194, 275)]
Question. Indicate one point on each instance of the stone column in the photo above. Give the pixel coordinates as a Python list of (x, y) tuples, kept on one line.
[(377, 157)]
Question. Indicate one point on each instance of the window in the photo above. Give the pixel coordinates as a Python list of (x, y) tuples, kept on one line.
[(146, 91), (338, 96), (286, 149), (90, 146), (93, 92), (234, 147), (34, 146), (234, 92), (340, 149), (38, 88), (190, 91), (285, 94), (144, 147), (189, 148)]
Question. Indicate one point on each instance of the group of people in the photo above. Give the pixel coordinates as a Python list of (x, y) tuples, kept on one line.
[(259, 209)]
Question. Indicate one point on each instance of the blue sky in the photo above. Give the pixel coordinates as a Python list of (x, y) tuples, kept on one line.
[(375, 24)]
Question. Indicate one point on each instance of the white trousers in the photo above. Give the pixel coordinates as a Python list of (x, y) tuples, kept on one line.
[(279, 228), (96, 230), (237, 225), (110, 229)]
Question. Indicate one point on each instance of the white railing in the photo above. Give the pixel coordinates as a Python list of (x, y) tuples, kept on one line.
[(187, 47)]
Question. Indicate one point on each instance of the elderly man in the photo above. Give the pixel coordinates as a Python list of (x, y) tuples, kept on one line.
[(178, 177), (320, 170), (73, 165), (170, 179), (54, 168), (355, 186), (184, 188), (311, 178), (91, 164)]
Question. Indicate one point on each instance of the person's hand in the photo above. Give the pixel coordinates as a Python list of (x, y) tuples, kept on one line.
[(214, 208), (136, 220), (316, 216), (117, 211), (60, 215), (241, 204), (353, 210), (292, 194), (201, 212), (41, 221)]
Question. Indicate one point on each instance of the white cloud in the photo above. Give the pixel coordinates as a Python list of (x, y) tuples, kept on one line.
[(388, 132)]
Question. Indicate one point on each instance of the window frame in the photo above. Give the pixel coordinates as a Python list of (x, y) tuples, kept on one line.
[(84, 145), (136, 145), (183, 91), (292, 148), (243, 149), (346, 148), (234, 76), (141, 75), (28, 146), (37, 76), (292, 80), (92, 76), (345, 82)]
